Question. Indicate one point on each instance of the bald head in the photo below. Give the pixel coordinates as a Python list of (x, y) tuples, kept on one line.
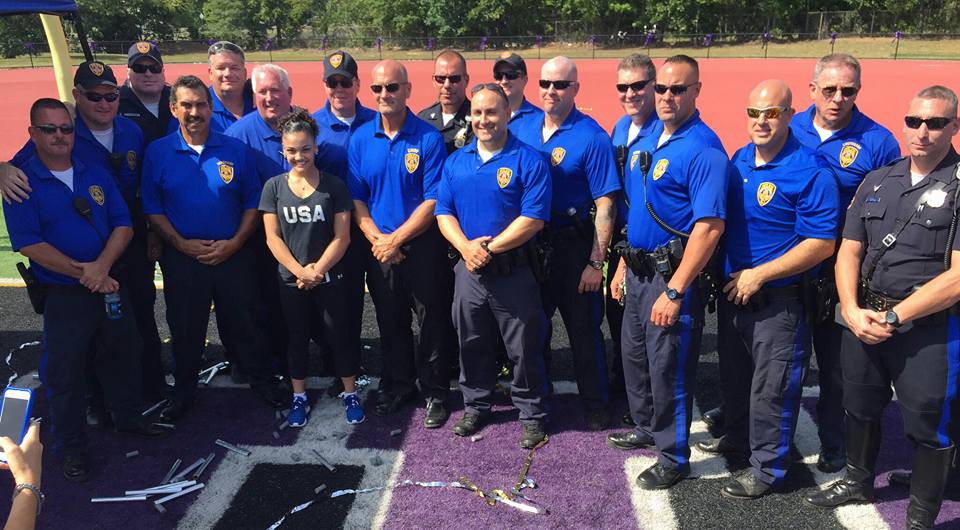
[(771, 93), (768, 118), (390, 88), (391, 69), (559, 68)]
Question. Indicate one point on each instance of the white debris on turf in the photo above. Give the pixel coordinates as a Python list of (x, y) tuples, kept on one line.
[(294, 510), (14, 375)]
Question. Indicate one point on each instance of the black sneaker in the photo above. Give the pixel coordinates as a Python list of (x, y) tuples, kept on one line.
[(533, 434), (76, 467), (436, 415)]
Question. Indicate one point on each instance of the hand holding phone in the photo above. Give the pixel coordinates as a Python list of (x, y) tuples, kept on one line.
[(24, 461), (14, 415)]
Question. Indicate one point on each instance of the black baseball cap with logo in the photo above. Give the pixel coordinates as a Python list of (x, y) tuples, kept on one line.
[(92, 74), (513, 60), (339, 63), (143, 49)]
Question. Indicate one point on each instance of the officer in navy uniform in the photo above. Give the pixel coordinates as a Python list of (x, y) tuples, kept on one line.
[(636, 75), (898, 277), (781, 221), (144, 96), (451, 113), (494, 197), (201, 191), (395, 162), (680, 177), (584, 175), (73, 228)]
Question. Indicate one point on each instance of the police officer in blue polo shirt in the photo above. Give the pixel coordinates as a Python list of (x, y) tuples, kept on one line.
[(494, 197), (854, 145), (677, 193), (114, 144), (898, 278), (510, 72), (635, 78), (228, 76), (584, 176), (73, 228), (395, 163), (200, 192), (781, 222)]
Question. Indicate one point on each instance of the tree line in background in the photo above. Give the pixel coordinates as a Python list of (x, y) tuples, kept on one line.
[(290, 22)]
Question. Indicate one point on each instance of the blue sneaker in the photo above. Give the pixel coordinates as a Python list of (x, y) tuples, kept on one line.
[(354, 410), (298, 412)]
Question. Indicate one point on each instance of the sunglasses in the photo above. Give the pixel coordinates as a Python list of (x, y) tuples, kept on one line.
[(512, 75), (493, 87), (636, 86), (342, 83), (676, 90), (454, 79), (144, 68), (559, 85), (97, 98), (51, 129), (223, 45), (770, 113), (847, 91), (933, 124), (391, 88)]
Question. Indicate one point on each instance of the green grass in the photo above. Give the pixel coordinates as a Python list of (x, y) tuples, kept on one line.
[(8, 258), (864, 48)]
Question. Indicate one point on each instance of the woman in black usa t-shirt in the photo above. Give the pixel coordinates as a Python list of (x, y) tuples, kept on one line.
[(306, 216)]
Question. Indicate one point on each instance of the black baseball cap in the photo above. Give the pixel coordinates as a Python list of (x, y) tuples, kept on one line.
[(143, 49), (511, 59), (339, 63), (93, 74)]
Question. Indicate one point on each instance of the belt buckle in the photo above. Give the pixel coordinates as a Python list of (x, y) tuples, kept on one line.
[(888, 240)]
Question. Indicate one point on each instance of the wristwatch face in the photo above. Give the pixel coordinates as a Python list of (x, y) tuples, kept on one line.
[(892, 318), (596, 264), (672, 294)]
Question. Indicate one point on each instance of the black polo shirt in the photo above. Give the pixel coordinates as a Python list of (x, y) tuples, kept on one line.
[(153, 127)]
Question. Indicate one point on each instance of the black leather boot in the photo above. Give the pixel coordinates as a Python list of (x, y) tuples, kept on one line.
[(930, 469), (863, 446)]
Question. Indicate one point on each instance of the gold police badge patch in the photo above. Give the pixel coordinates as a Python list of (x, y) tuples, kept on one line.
[(848, 154), (556, 156), (660, 168), (411, 161), (96, 69), (633, 159), (336, 60), (132, 160), (766, 192), (96, 193), (226, 171), (143, 47), (504, 175)]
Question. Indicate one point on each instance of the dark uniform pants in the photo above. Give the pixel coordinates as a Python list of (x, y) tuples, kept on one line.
[(189, 287), (660, 367), (139, 274), (423, 283), (582, 315), (354, 268), (485, 307), (614, 315), (764, 355), (921, 362), (827, 338), (75, 326)]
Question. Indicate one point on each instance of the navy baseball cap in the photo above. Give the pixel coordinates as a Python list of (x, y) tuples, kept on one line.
[(339, 63), (513, 60), (143, 49), (93, 74)]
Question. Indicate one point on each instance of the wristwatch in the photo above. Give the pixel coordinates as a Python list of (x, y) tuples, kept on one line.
[(596, 264), (673, 294), (485, 245), (36, 493), (892, 318)]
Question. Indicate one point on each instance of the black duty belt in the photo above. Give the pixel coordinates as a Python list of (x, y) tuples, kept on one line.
[(664, 260), (766, 295), (882, 303), (504, 263)]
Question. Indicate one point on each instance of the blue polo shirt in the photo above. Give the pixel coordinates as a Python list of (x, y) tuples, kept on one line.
[(857, 149), (267, 145), (393, 177), (123, 162), (528, 112), (687, 182), (222, 118), (486, 197), (203, 195), (334, 136), (581, 161), (771, 208), (48, 215), (618, 136)]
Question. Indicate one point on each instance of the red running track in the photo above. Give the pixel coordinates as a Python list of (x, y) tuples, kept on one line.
[(726, 82)]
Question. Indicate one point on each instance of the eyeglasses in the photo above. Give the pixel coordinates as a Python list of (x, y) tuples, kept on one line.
[(97, 98), (223, 45), (454, 79), (676, 90), (636, 86), (342, 83), (512, 75), (391, 88), (144, 68), (933, 124), (770, 113), (49, 129), (847, 91), (559, 85)]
